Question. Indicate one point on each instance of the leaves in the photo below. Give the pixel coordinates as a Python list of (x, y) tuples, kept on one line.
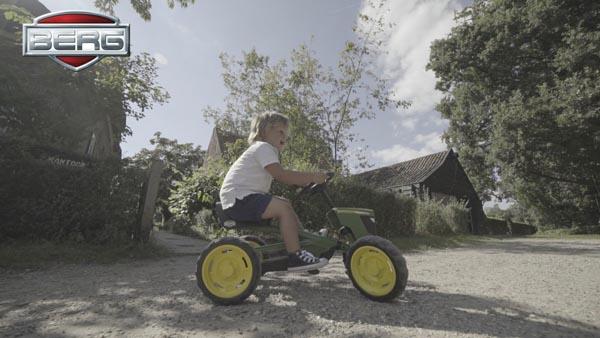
[(522, 97), (142, 7), (324, 104), (180, 161)]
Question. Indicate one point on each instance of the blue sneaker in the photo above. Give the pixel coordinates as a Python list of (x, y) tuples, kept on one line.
[(303, 260)]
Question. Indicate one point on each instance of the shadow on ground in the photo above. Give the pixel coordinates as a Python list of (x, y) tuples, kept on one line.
[(163, 298)]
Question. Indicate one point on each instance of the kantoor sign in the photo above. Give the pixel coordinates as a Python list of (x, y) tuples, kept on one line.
[(75, 39)]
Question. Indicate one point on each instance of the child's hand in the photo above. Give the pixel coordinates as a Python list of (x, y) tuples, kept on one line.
[(319, 178)]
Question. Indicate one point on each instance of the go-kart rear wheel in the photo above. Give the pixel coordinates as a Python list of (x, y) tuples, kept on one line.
[(228, 271), (376, 268)]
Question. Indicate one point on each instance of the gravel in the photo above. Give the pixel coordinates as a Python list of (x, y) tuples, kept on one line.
[(501, 288)]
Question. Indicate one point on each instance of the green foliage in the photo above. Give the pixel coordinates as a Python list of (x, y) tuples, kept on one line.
[(457, 217), (198, 191), (439, 218), (15, 14), (34, 107), (180, 161), (430, 219), (94, 204), (129, 85), (142, 7), (395, 215), (234, 150), (522, 95), (324, 104)]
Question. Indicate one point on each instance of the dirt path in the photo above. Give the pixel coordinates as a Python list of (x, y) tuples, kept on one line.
[(503, 288)]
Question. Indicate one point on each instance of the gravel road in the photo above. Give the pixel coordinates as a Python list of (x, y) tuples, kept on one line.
[(501, 288)]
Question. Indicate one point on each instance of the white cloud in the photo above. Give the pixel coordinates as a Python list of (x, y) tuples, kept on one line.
[(406, 47), (424, 144), (161, 59), (409, 123)]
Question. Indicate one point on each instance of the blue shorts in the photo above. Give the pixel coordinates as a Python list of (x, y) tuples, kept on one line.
[(250, 208)]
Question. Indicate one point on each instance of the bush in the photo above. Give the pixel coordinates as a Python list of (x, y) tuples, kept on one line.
[(585, 230), (431, 219), (395, 215), (439, 218), (97, 203), (193, 194), (457, 217)]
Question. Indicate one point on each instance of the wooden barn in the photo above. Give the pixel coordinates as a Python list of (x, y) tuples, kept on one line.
[(438, 176)]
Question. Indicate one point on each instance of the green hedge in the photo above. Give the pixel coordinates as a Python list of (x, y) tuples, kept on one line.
[(437, 218), (395, 215), (97, 203)]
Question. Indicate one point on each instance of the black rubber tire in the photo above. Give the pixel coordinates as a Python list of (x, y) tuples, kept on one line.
[(393, 254), (254, 261)]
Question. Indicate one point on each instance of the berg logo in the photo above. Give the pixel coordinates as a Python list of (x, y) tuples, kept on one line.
[(75, 39)]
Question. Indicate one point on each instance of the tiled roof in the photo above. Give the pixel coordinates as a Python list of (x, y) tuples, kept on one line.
[(405, 173)]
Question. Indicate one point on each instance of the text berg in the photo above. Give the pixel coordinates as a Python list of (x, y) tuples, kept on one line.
[(72, 40), (80, 41)]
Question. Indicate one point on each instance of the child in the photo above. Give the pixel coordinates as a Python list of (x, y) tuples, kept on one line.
[(245, 190)]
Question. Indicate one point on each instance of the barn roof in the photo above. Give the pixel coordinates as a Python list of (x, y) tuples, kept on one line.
[(405, 173)]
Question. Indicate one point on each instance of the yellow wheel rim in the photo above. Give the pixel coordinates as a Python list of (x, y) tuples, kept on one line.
[(373, 270), (227, 271)]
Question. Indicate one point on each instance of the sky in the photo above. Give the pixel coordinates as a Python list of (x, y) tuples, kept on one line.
[(186, 43)]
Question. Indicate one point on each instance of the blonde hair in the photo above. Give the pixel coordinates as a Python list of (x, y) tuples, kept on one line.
[(260, 122)]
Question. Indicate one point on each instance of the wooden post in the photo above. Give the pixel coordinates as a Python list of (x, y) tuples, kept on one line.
[(150, 199)]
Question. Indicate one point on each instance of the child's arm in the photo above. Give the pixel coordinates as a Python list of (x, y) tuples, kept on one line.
[(291, 177)]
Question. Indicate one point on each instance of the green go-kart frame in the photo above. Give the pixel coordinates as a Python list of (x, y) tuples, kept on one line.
[(229, 268)]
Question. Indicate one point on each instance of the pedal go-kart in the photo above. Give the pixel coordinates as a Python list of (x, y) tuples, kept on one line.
[(229, 268)]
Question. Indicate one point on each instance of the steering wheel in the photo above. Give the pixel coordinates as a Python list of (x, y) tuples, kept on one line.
[(313, 188)]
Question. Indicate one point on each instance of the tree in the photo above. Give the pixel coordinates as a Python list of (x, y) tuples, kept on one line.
[(41, 102), (180, 160), (522, 94), (142, 7), (324, 104)]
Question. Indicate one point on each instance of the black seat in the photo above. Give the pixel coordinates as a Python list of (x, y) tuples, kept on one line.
[(229, 223)]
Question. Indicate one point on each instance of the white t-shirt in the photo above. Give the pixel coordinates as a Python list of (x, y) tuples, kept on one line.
[(247, 175)]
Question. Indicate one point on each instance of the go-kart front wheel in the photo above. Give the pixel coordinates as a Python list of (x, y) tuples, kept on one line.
[(228, 271), (376, 268)]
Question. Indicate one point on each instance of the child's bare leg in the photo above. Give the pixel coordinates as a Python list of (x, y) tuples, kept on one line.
[(288, 222)]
